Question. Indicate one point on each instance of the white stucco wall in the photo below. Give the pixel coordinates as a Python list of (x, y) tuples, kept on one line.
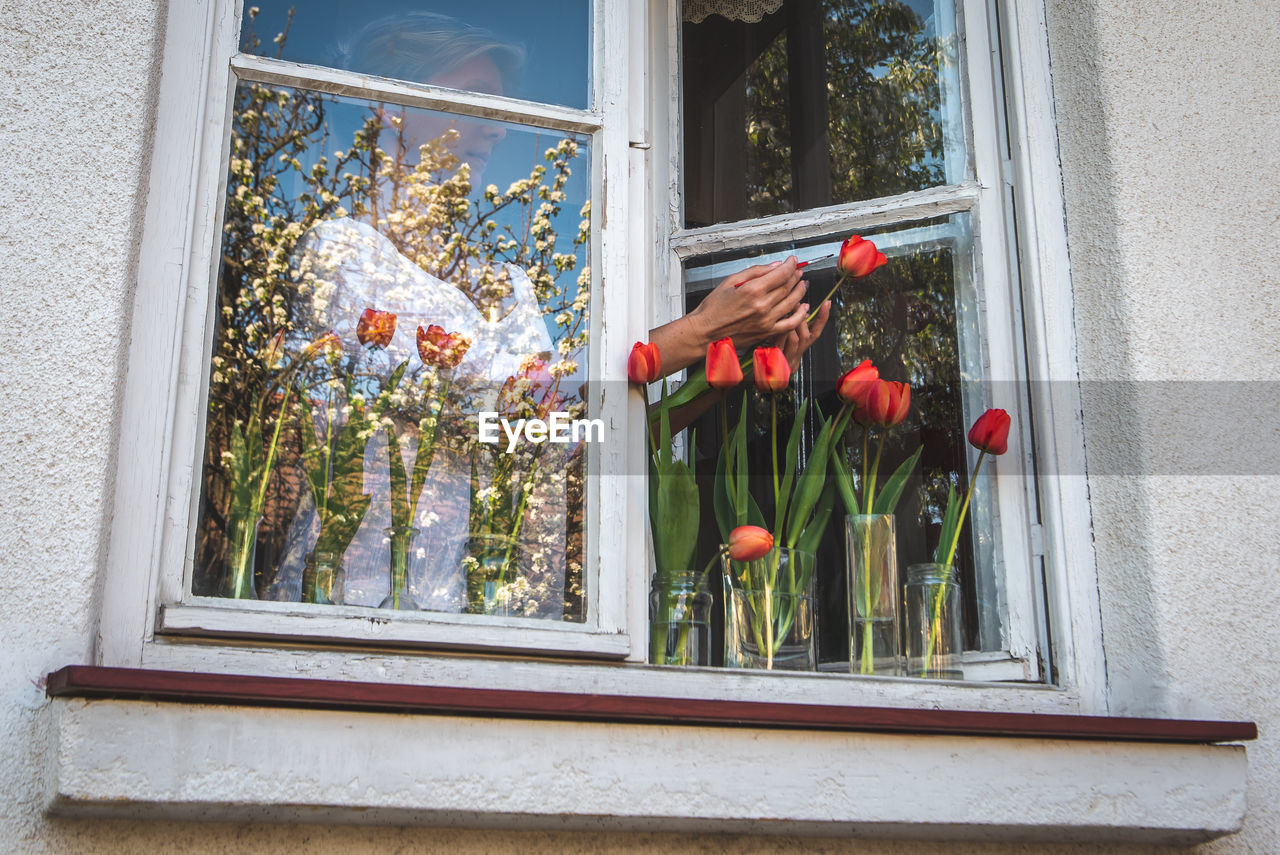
[(1172, 180)]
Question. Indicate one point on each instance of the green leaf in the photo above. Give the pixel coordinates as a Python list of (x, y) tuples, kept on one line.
[(675, 524), (428, 428), (664, 429), (399, 482), (949, 520), (812, 534), (844, 483), (312, 453), (887, 499), (726, 516), (384, 397), (811, 483), (742, 498), (791, 457)]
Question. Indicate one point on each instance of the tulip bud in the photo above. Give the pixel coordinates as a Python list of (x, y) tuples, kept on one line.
[(899, 403), (749, 542), (644, 365), (856, 384), (990, 433), (441, 349), (723, 369), (771, 370), (858, 257), (886, 404), (531, 389), (376, 328), (329, 344)]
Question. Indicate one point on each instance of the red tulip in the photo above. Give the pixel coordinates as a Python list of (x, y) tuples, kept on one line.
[(771, 369), (990, 433), (859, 257), (533, 386), (329, 344), (887, 404), (376, 328), (644, 365), (723, 369), (856, 384), (441, 349), (749, 542)]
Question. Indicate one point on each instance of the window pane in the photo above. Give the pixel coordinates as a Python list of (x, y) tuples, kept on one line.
[(915, 319), (357, 442), (819, 103), (535, 51)]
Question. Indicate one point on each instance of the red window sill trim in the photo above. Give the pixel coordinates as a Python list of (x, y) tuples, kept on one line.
[(86, 681)]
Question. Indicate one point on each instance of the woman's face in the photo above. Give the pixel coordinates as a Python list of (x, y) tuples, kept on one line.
[(476, 138)]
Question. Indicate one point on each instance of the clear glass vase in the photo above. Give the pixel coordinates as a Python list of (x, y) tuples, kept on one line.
[(492, 583), (679, 619), (238, 565), (398, 598), (935, 639), (769, 614), (322, 578), (875, 645)]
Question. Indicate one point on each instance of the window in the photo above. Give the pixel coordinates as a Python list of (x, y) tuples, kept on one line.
[(947, 217), (857, 110)]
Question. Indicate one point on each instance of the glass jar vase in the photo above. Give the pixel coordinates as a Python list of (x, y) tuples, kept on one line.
[(238, 565), (322, 578), (875, 645), (679, 619), (769, 613), (400, 538), (492, 579), (935, 639)]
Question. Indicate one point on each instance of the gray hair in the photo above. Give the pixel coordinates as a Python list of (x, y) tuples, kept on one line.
[(417, 46)]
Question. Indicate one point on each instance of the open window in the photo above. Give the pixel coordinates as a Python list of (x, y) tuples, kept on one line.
[(821, 118)]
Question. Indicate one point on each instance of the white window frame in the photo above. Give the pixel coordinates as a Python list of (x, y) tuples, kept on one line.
[(197, 92), (145, 623), (1021, 286)]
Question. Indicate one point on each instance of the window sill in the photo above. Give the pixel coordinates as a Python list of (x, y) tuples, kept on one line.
[(511, 759)]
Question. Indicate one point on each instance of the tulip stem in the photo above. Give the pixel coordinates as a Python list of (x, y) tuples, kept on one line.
[(818, 306), (935, 617), (870, 487), (964, 508)]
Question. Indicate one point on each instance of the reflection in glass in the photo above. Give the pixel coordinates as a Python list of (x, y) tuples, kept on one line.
[(916, 320), (535, 51), (819, 103), (388, 273)]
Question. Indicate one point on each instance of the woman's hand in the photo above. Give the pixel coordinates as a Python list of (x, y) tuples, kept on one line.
[(754, 304), (798, 340)]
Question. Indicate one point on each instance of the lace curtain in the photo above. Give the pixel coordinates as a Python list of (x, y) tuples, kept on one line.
[(751, 11)]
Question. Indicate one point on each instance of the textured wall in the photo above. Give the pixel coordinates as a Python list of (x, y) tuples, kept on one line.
[(77, 104), (1168, 131)]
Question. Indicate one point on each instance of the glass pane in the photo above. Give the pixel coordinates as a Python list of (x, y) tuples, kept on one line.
[(916, 320), (357, 440), (818, 103), (535, 51)]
